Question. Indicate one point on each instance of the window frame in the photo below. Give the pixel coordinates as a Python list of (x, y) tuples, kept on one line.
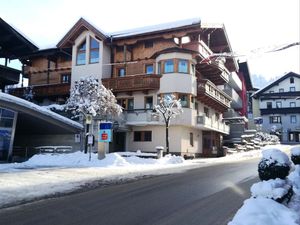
[(125, 102), (81, 52), (173, 65), (278, 105), (292, 103), (145, 102), (141, 136), (94, 50), (65, 75), (275, 119), (292, 89), (119, 69), (192, 139), (281, 90), (293, 119), (149, 65), (187, 66)]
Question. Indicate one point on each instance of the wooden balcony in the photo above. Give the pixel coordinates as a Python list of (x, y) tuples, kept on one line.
[(132, 83), (211, 68), (213, 97), (41, 91)]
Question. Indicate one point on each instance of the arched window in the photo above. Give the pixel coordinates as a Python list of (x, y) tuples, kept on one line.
[(81, 49), (94, 51)]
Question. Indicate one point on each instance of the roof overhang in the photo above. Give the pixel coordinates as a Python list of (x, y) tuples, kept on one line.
[(13, 44), (82, 25), (34, 119)]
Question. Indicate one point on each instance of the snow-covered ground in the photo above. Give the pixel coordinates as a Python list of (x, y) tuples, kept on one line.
[(47, 174), (261, 208)]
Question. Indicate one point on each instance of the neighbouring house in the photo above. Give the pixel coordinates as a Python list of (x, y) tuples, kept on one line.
[(279, 105), (141, 65), (23, 124), (239, 87)]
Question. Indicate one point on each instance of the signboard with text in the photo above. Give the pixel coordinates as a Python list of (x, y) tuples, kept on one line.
[(105, 132)]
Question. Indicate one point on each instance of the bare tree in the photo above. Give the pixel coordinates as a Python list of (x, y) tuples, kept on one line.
[(169, 107)]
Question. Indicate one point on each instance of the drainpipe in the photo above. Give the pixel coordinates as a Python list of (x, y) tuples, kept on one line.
[(48, 72), (112, 55)]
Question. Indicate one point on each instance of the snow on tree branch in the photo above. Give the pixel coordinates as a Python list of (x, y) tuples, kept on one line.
[(89, 97), (169, 107)]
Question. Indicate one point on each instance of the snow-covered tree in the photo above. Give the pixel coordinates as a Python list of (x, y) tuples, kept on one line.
[(89, 97), (169, 107)]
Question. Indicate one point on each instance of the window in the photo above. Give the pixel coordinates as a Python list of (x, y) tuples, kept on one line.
[(149, 102), (149, 69), (94, 50), (269, 105), (81, 54), (148, 44), (169, 66), (182, 66), (126, 103), (292, 104), (271, 91), (281, 90), (292, 89), (65, 78), (293, 119), (278, 105), (192, 139), (292, 80), (197, 108), (184, 100), (119, 48), (159, 68), (142, 136), (275, 119), (121, 72), (206, 111), (193, 69), (217, 116)]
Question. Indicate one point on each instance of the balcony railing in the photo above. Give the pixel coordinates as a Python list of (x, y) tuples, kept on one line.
[(294, 110), (212, 68), (210, 95), (49, 90), (132, 83), (208, 123)]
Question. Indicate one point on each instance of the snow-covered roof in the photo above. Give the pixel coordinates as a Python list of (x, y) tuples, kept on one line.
[(156, 28), (18, 104)]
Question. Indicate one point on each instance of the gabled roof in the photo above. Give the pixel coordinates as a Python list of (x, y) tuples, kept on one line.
[(276, 82), (157, 28), (243, 67), (13, 44), (76, 30)]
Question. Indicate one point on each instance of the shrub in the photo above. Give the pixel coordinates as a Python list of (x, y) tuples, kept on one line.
[(295, 157), (274, 164)]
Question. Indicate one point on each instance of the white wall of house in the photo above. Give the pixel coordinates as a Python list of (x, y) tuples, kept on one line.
[(177, 82), (96, 70), (285, 103), (285, 85), (179, 137)]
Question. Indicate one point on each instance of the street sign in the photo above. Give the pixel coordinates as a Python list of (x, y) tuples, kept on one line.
[(88, 119), (105, 132)]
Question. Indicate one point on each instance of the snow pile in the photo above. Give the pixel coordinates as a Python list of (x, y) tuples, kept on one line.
[(264, 211), (273, 189), (295, 150), (79, 159), (275, 156), (294, 177)]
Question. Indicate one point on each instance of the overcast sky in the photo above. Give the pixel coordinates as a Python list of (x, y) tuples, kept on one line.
[(250, 24)]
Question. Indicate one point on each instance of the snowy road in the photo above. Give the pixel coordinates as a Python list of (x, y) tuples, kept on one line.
[(206, 195)]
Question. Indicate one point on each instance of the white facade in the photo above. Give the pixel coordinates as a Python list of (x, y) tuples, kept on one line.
[(279, 104), (99, 70)]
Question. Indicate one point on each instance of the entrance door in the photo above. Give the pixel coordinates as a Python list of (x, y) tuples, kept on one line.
[(119, 141)]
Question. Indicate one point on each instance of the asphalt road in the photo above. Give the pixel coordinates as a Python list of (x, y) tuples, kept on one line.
[(206, 195)]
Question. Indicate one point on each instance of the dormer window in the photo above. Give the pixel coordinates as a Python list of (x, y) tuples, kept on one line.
[(94, 50), (81, 50)]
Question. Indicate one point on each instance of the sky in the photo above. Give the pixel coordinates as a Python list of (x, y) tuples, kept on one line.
[(251, 25)]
